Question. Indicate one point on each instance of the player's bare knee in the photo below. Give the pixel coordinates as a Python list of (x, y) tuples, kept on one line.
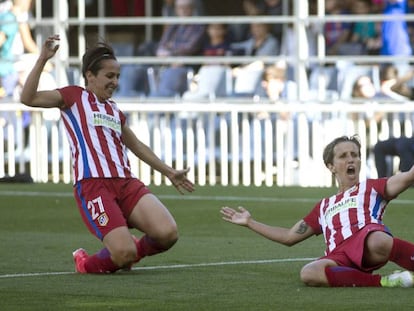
[(306, 275), (379, 245), (169, 235), (165, 236), (310, 277)]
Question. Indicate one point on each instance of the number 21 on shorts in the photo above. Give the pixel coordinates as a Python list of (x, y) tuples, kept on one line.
[(97, 211)]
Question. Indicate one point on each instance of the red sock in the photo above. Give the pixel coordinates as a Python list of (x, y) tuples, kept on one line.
[(402, 253), (148, 247), (349, 277), (101, 262)]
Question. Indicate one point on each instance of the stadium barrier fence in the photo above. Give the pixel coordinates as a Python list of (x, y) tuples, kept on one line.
[(223, 142)]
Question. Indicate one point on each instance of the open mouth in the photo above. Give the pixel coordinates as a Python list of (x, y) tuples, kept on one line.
[(350, 170)]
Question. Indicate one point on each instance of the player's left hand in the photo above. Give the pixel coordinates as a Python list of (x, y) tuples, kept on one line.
[(180, 181)]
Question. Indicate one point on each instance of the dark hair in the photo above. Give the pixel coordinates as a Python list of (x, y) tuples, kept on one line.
[(91, 60), (328, 152), (388, 72)]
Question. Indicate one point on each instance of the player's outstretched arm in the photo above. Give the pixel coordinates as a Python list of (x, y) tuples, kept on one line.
[(299, 232), (30, 96), (142, 151), (399, 182)]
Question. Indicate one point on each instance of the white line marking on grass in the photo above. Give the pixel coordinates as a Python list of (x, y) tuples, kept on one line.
[(166, 267), (187, 197), (225, 263), (12, 193)]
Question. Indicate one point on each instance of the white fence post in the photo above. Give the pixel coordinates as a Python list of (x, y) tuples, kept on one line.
[(247, 151)]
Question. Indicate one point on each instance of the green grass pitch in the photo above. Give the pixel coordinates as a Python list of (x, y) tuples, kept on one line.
[(214, 265)]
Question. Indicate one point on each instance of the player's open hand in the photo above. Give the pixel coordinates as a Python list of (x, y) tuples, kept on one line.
[(240, 217), (180, 181), (50, 47)]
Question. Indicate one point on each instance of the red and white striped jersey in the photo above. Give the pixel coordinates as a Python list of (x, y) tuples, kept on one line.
[(340, 216), (94, 132)]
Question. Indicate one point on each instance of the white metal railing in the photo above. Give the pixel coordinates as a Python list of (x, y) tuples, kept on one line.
[(223, 142), (300, 18)]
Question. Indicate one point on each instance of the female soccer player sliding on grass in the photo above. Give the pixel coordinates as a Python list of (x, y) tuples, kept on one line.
[(110, 199), (357, 242)]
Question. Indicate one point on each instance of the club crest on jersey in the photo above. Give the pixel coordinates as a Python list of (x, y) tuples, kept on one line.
[(103, 220)]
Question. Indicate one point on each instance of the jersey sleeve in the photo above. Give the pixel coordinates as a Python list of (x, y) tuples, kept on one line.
[(70, 94), (379, 186), (312, 219)]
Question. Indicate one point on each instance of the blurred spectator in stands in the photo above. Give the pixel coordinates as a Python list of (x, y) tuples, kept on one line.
[(394, 85), (23, 45), (182, 39), (8, 76), (336, 33), (167, 9), (389, 75), (275, 86), (410, 24), (273, 8), (395, 40), (364, 91), (262, 43), (8, 31), (217, 43), (403, 85), (366, 34), (402, 147), (133, 81), (289, 43), (24, 42), (128, 7), (241, 32), (178, 40), (46, 81), (377, 6), (211, 79)]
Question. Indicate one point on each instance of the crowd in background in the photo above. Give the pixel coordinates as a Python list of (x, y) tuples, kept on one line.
[(361, 37), (209, 80), (388, 37)]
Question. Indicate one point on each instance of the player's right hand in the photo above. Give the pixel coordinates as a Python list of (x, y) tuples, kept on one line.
[(240, 217)]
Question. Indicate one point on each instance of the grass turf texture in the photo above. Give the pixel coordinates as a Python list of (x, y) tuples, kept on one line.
[(214, 265)]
